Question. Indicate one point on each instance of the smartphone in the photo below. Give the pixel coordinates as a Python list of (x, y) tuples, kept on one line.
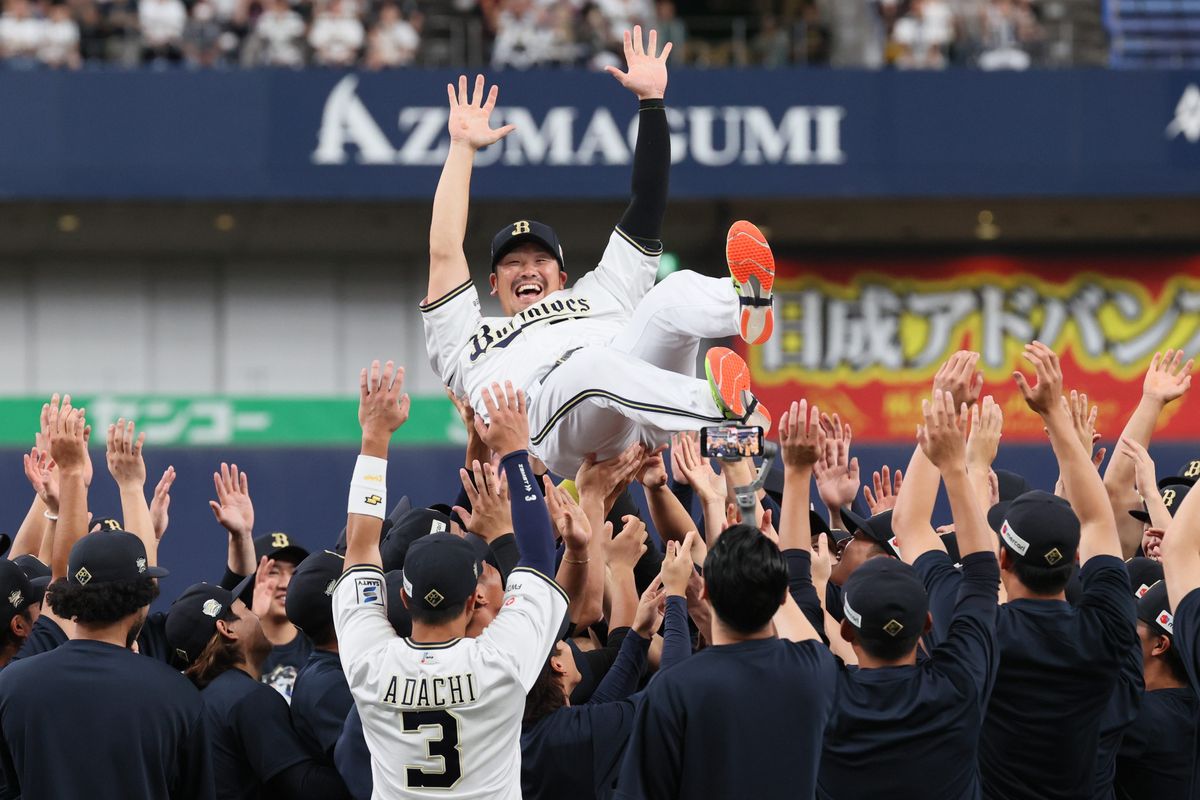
[(731, 441)]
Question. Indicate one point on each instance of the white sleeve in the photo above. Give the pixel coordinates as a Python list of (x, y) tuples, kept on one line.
[(527, 625), (449, 322), (360, 614), (627, 269)]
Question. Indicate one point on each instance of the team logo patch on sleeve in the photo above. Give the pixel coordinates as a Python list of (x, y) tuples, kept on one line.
[(369, 591)]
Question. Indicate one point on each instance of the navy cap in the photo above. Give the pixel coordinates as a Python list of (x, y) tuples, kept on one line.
[(16, 591), (400, 509), (105, 524), (522, 231), (877, 528), (1010, 484), (278, 546), (1186, 476), (1040, 529), (1154, 610), (109, 557), (440, 571), (418, 522), (1172, 496), (885, 600), (37, 572), (1143, 573), (192, 618), (397, 614), (995, 514), (309, 601)]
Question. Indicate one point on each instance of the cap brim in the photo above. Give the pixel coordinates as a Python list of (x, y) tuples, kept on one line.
[(1175, 480), (40, 583), (156, 572), (1140, 516), (858, 523), (522, 238), (244, 591), (5, 543), (290, 553)]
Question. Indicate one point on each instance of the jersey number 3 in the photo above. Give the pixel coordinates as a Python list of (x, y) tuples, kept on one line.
[(445, 748)]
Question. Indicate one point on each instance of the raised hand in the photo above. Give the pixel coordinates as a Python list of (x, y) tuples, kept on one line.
[(1145, 476), (382, 404), (837, 473), (65, 437), (42, 438), (941, 437), (622, 551), (1168, 378), (43, 477), (678, 443), (652, 473), (987, 424), (822, 563), (266, 582), (1083, 421), (646, 69), (703, 478), (469, 115), (1044, 396), (161, 503), (604, 480), (233, 508), (677, 565), (649, 614), (507, 428), (801, 437), (568, 518), (885, 491), (124, 454), (959, 377), (490, 516)]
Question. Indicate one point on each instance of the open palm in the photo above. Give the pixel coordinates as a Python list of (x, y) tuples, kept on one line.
[(646, 70), (469, 118)]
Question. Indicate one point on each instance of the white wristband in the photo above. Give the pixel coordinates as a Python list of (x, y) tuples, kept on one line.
[(49, 516), (368, 487)]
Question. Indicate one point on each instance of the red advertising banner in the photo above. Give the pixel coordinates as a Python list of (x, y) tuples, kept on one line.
[(865, 338)]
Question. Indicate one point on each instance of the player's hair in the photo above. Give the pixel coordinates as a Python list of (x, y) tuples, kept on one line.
[(1041, 580), (891, 649), (218, 657), (545, 696), (103, 603), (12, 640), (746, 577), (323, 636), (436, 616)]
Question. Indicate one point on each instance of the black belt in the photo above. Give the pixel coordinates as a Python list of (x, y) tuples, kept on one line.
[(559, 362)]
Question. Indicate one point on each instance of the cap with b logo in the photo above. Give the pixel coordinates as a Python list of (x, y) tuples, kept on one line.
[(884, 599), (1040, 529), (1154, 610), (280, 547), (109, 557), (441, 571), (521, 232), (1172, 496), (1188, 474)]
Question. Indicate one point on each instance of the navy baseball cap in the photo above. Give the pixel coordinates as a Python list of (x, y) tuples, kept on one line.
[(877, 528), (309, 601), (400, 509), (1154, 610), (1040, 529), (192, 618), (37, 572), (418, 522), (105, 524), (1172, 496), (1010, 484), (1143, 573), (17, 593), (109, 557), (441, 571), (1186, 476), (885, 599), (522, 231), (278, 546)]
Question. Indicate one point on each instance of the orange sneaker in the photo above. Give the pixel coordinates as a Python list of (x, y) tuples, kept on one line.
[(753, 269), (729, 379)]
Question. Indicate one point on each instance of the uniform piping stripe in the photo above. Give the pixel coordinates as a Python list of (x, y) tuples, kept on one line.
[(433, 645), (640, 247), (446, 298), (624, 401), (553, 583), (357, 568)]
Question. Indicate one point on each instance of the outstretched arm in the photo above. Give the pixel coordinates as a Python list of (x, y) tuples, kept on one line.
[(1181, 551), (469, 132)]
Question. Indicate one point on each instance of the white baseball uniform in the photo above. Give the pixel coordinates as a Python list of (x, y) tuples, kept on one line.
[(444, 719), (630, 350)]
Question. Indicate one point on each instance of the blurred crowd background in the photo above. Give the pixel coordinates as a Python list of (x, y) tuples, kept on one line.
[(520, 34)]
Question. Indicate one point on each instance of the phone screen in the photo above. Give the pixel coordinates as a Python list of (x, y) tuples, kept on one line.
[(731, 441)]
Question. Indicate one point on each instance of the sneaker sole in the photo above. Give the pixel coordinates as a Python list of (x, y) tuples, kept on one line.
[(728, 377), (752, 266)]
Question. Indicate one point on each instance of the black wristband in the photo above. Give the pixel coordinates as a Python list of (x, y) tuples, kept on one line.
[(653, 102)]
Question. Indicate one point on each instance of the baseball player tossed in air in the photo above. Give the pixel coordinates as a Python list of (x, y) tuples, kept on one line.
[(609, 361), (441, 713)]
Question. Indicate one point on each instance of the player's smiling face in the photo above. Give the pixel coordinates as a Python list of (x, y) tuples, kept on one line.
[(526, 275)]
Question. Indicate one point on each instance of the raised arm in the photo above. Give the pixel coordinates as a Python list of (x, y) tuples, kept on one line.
[(68, 448), (1181, 550), (670, 518), (987, 426), (1097, 529), (469, 131), (234, 511), (382, 409), (646, 77), (125, 464), (1167, 380), (802, 442), (837, 473), (941, 440), (585, 603), (1146, 479), (621, 553)]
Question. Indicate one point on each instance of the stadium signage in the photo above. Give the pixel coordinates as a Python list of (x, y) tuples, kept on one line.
[(710, 136)]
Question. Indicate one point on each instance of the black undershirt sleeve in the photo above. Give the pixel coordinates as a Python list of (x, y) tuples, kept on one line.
[(304, 780), (643, 218)]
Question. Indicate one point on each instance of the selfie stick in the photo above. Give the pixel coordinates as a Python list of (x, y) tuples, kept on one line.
[(747, 495)]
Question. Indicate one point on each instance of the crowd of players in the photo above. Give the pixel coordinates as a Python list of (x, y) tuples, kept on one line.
[(380, 34), (1035, 644)]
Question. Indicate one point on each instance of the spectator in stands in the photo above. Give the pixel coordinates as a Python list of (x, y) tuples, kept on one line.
[(202, 36), (20, 34), (278, 39), (594, 48), (162, 23), (772, 47), (622, 15), (59, 45), (522, 40), (1009, 28), (671, 29), (922, 37), (393, 41), (336, 35)]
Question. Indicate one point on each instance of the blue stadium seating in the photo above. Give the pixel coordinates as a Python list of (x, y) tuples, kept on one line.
[(1154, 33)]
